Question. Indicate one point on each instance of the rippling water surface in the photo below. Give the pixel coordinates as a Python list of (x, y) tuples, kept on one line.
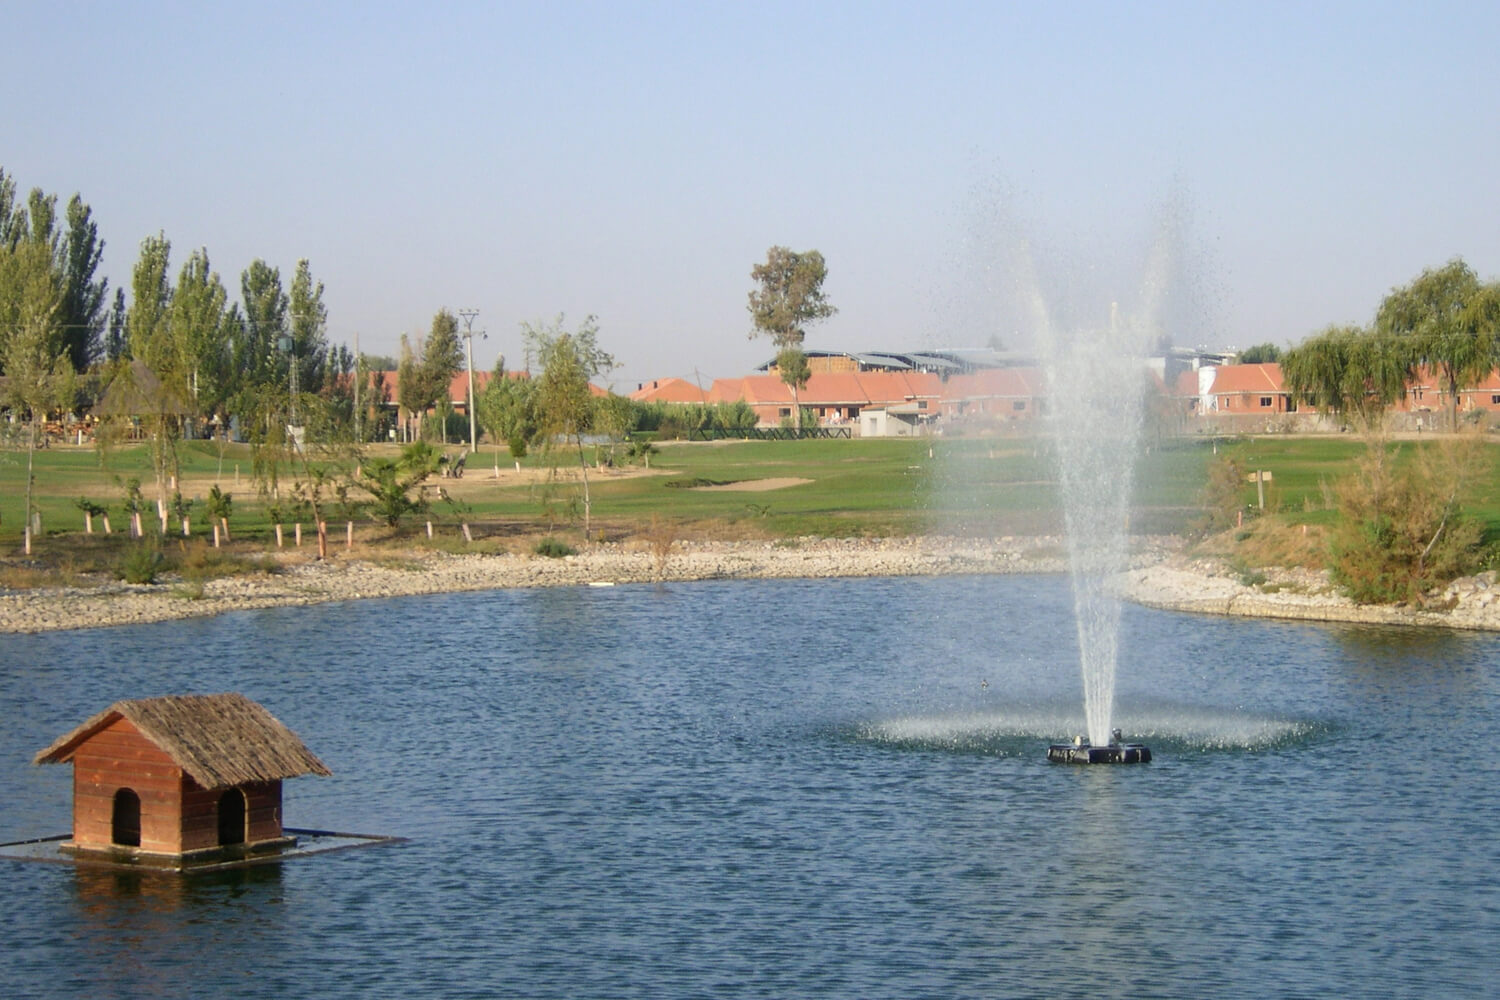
[(790, 788)]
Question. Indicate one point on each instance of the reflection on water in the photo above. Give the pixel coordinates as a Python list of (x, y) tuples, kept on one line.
[(789, 788)]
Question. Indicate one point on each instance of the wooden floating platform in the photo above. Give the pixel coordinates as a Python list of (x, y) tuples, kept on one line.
[(301, 844)]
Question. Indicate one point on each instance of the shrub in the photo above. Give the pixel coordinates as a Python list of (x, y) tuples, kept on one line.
[(140, 564), (553, 548), (1402, 531), (1222, 497)]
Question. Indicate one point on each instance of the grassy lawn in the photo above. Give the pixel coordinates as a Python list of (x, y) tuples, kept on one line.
[(835, 488)]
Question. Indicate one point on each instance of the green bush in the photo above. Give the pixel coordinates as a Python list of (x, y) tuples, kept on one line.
[(1402, 531), (140, 564), (553, 548)]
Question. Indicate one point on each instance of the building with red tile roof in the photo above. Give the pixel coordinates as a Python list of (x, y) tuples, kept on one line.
[(670, 390)]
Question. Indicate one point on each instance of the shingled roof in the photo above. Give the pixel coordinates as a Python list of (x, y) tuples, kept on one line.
[(220, 740)]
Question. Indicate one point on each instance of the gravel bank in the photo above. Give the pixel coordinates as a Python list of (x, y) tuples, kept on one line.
[(1210, 587), (400, 574), (1161, 578)]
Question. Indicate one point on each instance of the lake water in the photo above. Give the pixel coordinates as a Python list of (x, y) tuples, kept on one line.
[(790, 789)]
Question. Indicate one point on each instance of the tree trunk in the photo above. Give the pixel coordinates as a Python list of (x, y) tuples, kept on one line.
[(26, 517), (1453, 403), (583, 467)]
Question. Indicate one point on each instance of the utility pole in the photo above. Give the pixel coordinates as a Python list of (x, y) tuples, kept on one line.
[(357, 375), (468, 316)]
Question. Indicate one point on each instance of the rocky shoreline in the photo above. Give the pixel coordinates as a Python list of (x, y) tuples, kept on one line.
[(1160, 578), (1211, 587)]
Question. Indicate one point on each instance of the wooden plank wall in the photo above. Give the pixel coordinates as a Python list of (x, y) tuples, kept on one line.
[(116, 757)]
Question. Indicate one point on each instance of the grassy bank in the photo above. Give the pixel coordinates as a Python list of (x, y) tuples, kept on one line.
[(769, 489)]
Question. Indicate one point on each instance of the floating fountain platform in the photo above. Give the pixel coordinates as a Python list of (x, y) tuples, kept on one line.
[(1080, 751)]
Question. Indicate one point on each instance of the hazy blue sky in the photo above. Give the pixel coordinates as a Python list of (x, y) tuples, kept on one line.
[(634, 160)]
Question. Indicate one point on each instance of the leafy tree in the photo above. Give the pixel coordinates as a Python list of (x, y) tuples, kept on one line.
[(423, 374), (506, 411), (115, 344), (198, 327), (789, 296), (151, 295), (257, 355), (9, 236), (308, 326), (442, 358), (1347, 371), (149, 333), (83, 293), (41, 213), (1449, 322), (566, 408), (410, 391), (263, 370), (390, 482), (338, 415), (38, 378), (75, 254), (1260, 354)]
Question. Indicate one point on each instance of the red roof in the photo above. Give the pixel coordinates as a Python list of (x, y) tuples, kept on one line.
[(1247, 378), (996, 383), (830, 389), (669, 390)]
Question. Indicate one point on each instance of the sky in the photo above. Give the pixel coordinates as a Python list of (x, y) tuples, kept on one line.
[(634, 160)]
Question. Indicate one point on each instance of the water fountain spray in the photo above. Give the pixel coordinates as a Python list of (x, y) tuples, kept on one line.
[(1096, 397)]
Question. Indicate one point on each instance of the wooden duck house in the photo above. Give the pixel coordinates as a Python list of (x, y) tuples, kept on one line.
[(189, 777)]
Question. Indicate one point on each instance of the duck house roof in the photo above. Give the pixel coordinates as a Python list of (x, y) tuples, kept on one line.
[(220, 740)]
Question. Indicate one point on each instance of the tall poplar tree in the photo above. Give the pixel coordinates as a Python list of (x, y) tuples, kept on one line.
[(38, 378), (308, 322), (148, 335), (151, 295), (83, 292), (442, 356), (257, 357), (200, 369)]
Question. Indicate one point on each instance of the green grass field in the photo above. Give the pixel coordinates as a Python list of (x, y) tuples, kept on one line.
[(841, 488)]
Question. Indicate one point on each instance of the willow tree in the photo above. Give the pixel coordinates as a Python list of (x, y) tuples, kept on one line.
[(1348, 371), (788, 297), (566, 408), (1450, 322)]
